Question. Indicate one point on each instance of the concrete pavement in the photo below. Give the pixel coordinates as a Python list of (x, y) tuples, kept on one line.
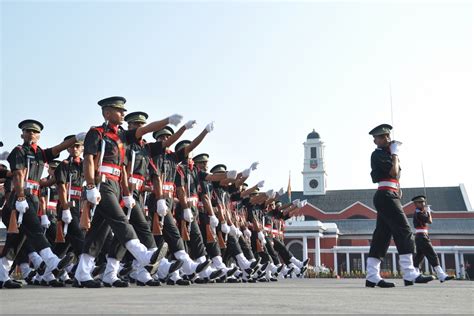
[(300, 296)]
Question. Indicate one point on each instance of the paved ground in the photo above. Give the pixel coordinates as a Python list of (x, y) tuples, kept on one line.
[(286, 296)]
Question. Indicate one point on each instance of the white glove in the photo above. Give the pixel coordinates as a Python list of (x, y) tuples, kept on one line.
[(428, 208), (129, 201), (239, 233), (21, 206), (247, 233), (45, 221), (233, 231), (190, 124), (175, 119), (296, 202), (261, 184), (394, 147), (254, 165), (66, 216), (246, 173), (161, 207), (188, 215), (269, 193), (261, 236), (93, 195), (81, 136), (210, 127), (302, 203), (225, 228), (231, 174), (213, 221), (281, 192)]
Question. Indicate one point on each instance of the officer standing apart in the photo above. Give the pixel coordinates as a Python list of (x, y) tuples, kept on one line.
[(391, 220)]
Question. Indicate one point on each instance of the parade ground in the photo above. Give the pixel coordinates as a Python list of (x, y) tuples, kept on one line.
[(300, 296)]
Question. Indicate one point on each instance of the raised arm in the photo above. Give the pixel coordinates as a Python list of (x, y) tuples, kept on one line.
[(174, 119)]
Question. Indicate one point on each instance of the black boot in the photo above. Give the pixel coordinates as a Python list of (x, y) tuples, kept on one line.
[(90, 284), (381, 283), (420, 279), (9, 284), (116, 283), (449, 277), (149, 283)]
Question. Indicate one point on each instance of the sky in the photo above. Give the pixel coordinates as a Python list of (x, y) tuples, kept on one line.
[(266, 72)]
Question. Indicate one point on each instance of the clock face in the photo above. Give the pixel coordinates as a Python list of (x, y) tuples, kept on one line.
[(313, 183)]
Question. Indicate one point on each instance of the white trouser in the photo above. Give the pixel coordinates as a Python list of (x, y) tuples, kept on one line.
[(143, 275), (84, 268), (284, 271), (64, 276), (296, 262), (408, 269), (189, 266), (206, 272), (242, 261), (5, 266), (296, 270), (50, 259), (440, 273), (175, 276), (35, 259), (111, 270), (217, 263), (48, 277), (373, 270), (25, 269), (139, 251), (163, 268)]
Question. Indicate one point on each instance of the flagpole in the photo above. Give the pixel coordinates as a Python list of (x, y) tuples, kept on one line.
[(289, 187)]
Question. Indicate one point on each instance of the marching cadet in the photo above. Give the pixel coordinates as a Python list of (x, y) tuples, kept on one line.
[(421, 219), (27, 162), (242, 199), (391, 220), (139, 162), (48, 203), (233, 249), (187, 185), (106, 143), (162, 201), (280, 214), (208, 221), (69, 180)]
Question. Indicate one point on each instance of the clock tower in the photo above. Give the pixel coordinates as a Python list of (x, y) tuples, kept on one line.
[(314, 169)]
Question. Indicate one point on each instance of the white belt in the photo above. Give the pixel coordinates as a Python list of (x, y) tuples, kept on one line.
[(52, 205), (135, 180), (33, 186), (388, 184), (168, 187), (75, 192), (418, 230), (193, 200), (110, 170), (138, 182)]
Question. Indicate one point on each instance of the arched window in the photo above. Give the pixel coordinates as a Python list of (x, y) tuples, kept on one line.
[(296, 248)]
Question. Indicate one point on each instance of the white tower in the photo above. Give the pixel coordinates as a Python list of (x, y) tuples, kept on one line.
[(314, 169)]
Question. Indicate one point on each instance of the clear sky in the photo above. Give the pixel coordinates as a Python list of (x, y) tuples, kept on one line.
[(266, 72)]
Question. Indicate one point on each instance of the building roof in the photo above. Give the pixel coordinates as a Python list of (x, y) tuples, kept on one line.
[(444, 226), (313, 135), (441, 199)]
